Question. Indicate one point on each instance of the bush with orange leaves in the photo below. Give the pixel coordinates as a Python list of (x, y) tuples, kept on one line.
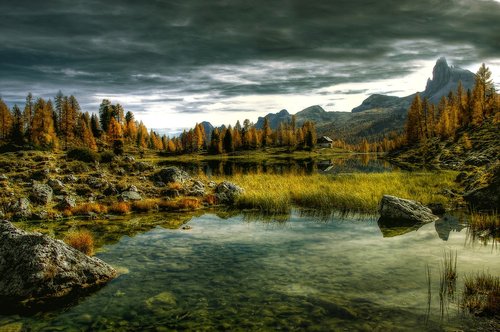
[(81, 240)]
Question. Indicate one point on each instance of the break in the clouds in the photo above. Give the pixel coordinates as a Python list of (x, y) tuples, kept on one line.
[(175, 63)]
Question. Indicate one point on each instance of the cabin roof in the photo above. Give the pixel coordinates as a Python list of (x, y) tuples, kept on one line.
[(325, 139)]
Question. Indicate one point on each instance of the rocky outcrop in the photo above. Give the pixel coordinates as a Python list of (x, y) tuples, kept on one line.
[(172, 174), (21, 209), (485, 192), (227, 192), (400, 209), (41, 193), (35, 268)]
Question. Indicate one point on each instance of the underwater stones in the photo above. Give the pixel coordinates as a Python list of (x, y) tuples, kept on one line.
[(41, 193), (172, 174), (161, 303), (35, 268), (226, 192), (401, 209)]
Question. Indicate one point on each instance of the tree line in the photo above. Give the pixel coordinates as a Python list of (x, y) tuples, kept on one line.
[(63, 125)]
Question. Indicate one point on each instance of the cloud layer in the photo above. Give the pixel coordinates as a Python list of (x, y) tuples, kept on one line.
[(193, 60)]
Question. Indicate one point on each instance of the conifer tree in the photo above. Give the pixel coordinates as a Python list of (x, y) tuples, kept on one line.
[(28, 114), (5, 120), (17, 134), (228, 140)]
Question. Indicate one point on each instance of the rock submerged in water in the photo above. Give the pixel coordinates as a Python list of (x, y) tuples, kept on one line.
[(35, 269), (395, 208)]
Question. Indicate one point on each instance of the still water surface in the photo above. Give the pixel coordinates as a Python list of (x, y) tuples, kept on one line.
[(236, 273)]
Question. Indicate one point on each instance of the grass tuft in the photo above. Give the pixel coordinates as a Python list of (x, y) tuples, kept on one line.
[(482, 294), (485, 222), (81, 240), (86, 208), (186, 203), (146, 205), (119, 208)]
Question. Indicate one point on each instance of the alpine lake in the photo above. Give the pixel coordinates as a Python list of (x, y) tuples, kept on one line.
[(238, 271)]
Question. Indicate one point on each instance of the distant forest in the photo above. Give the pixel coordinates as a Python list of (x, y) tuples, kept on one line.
[(61, 124)]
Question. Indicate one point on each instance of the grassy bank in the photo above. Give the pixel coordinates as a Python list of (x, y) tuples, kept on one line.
[(357, 193)]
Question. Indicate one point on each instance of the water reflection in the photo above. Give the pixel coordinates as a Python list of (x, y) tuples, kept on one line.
[(228, 167), (232, 272)]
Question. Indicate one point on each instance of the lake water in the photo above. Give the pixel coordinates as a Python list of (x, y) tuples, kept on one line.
[(239, 273), (226, 167)]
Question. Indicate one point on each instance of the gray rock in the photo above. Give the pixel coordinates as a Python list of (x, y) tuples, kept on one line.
[(142, 166), (227, 192), (392, 207), (3, 177), (41, 193), (129, 159), (56, 185), (133, 188), (130, 196), (71, 178), (21, 209), (172, 174), (68, 202), (110, 190), (35, 268), (197, 189), (40, 215), (96, 183), (477, 160)]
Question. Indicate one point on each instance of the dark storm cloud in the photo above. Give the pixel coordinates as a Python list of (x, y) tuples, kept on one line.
[(220, 48)]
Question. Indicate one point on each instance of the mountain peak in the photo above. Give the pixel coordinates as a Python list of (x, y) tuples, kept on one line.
[(445, 78)]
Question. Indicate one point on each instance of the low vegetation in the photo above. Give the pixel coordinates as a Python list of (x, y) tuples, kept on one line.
[(485, 223), (81, 240), (482, 294), (86, 208), (119, 208), (357, 193)]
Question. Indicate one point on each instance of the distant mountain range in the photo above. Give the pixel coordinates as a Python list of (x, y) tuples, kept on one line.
[(378, 114)]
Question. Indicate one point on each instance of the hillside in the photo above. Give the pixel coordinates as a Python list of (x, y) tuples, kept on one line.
[(377, 115)]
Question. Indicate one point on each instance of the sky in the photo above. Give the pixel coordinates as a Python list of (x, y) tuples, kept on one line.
[(176, 63)]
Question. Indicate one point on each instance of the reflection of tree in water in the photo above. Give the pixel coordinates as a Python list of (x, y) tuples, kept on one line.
[(282, 166)]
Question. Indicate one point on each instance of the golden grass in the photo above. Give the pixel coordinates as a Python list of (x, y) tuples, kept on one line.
[(119, 208), (175, 186), (357, 192), (145, 205), (185, 203), (485, 222), (81, 240), (482, 294), (85, 208)]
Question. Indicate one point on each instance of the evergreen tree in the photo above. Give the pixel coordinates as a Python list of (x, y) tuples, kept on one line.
[(5, 120), (17, 135), (28, 114), (228, 140), (95, 126), (105, 114)]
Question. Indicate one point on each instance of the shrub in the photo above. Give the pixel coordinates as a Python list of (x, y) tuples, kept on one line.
[(107, 156), (83, 154), (175, 186), (119, 208), (210, 199), (186, 203), (81, 240), (145, 205), (86, 208)]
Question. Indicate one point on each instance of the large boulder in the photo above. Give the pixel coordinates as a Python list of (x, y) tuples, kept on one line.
[(129, 196), (395, 208), (172, 174), (226, 192), (35, 268), (56, 185), (41, 193)]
